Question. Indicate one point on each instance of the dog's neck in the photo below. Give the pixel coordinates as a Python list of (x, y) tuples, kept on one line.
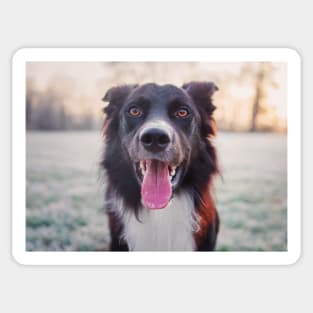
[(168, 229)]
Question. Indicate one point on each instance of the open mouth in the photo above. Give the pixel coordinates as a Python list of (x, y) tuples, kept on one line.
[(158, 180)]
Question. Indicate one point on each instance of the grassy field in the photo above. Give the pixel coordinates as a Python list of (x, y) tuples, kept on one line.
[(65, 192)]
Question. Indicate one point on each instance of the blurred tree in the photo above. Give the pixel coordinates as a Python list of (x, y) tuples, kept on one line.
[(63, 118), (259, 94), (29, 110), (263, 78), (30, 99), (47, 110)]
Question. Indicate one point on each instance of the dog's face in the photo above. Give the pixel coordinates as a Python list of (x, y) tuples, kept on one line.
[(160, 129)]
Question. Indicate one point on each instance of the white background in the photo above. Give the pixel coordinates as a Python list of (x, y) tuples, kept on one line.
[(149, 24)]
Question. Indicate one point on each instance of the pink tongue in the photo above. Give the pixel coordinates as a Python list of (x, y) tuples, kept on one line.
[(156, 188)]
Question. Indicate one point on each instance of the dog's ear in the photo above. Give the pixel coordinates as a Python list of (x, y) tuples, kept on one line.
[(116, 97), (201, 93)]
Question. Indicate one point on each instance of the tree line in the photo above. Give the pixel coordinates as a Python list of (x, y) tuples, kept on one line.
[(48, 110)]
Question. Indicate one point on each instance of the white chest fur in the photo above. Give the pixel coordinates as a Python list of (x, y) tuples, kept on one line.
[(168, 229)]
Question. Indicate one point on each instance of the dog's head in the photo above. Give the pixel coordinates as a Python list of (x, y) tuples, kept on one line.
[(161, 130)]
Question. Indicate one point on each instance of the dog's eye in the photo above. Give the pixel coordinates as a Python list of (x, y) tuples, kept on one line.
[(134, 112), (182, 113)]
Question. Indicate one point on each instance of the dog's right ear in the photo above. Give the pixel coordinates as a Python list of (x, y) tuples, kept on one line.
[(116, 97)]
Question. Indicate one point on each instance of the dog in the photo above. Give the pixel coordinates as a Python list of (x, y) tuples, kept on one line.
[(160, 163)]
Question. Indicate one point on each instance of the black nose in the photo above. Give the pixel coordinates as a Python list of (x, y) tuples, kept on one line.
[(154, 139)]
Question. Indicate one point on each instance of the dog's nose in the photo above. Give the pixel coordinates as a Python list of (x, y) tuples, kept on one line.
[(154, 139)]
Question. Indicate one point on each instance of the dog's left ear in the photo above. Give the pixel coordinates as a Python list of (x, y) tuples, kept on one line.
[(201, 93)]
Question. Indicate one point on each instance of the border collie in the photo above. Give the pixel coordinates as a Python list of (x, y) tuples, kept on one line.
[(160, 163)]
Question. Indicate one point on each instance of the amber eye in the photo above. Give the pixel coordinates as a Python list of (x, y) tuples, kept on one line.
[(134, 112), (182, 113)]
